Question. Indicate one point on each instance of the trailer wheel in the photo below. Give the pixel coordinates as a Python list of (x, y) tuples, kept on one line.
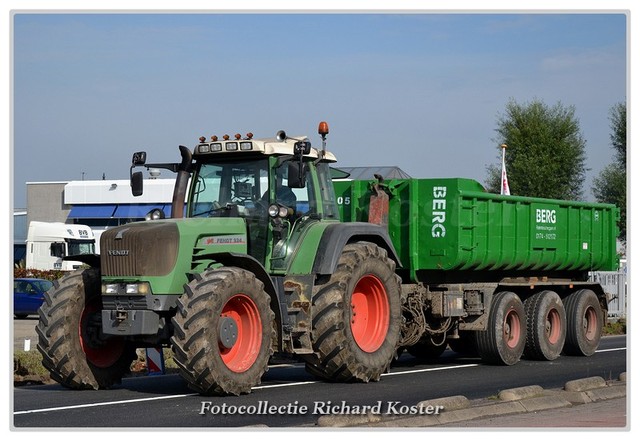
[(504, 339), (222, 332), (356, 317), (546, 326), (584, 323), (73, 348)]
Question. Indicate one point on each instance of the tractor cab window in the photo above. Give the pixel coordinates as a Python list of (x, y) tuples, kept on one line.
[(234, 189), (229, 188), (301, 200)]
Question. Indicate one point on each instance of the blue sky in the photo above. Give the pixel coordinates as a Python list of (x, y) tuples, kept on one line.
[(422, 91)]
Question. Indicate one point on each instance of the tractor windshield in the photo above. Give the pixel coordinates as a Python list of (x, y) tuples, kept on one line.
[(229, 186)]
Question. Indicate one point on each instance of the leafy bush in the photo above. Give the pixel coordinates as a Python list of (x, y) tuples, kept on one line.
[(52, 275)]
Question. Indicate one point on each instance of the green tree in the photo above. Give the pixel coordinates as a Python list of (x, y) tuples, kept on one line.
[(610, 186), (545, 156)]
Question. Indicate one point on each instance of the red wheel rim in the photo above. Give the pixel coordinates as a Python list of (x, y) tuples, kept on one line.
[(511, 329), (590, 323), (244, 352), (108, 352), (369, 313), (552, 326)]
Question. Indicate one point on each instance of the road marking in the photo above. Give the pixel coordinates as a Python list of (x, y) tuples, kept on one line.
[(268, 386), (106, 403), (417, 371), (612, 349)]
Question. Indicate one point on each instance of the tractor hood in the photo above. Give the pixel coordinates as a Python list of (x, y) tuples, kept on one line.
[(170, 248)]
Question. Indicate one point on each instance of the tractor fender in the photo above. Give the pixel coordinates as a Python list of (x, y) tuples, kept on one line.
[(248, 263), (336, 236)]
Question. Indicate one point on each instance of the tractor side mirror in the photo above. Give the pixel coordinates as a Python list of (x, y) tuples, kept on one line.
[(295, 175), (139, 158)]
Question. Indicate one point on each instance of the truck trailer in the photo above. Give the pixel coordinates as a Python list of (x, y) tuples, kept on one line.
[(265, 254)]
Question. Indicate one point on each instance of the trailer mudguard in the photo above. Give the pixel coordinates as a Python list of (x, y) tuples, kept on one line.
[(337, 235)]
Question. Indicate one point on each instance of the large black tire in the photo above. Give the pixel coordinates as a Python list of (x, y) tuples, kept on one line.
[(356, 317), (73, 348), (584, 323), (223, 330), (504, 339), (546, 326)]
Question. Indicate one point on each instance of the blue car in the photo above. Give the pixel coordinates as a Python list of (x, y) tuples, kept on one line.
[(28, 295)]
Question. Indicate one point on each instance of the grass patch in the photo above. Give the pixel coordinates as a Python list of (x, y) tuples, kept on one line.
[(615, 328), (29, 364), (28, 369)]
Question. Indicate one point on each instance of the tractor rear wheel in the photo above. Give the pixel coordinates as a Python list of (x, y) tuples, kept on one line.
[(70, 338), (223, 331), (504, 339), (356, 317)]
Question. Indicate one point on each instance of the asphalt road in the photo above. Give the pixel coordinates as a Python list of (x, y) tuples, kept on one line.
[(289, 397)]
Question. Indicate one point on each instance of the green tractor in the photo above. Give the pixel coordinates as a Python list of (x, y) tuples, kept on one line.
[(253, 261)]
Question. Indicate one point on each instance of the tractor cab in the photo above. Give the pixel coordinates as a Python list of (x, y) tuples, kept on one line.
[(277, 185)]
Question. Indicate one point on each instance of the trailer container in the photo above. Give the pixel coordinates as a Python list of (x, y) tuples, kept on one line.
[(454, 226)]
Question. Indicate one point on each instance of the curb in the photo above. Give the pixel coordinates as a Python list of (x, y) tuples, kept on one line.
[(519, 400)]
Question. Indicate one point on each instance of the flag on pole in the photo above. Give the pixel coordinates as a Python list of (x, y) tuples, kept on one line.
[(504, 186)]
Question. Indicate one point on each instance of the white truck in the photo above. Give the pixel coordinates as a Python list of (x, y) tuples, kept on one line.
[(49, 242)]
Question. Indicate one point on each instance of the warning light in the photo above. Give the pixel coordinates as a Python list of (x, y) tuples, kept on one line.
[(323, 128)]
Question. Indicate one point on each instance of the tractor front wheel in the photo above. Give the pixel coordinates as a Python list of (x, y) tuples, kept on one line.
[(70, 338)]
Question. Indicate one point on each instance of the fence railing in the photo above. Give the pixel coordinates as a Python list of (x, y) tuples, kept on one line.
[(614, 284)]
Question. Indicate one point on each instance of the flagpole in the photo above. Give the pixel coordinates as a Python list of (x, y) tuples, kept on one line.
[(504, 183)]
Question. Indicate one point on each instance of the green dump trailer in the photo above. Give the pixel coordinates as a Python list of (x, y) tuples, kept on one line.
[(497, 266)]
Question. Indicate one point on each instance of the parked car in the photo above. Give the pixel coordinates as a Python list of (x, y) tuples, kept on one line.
[(28, 295)]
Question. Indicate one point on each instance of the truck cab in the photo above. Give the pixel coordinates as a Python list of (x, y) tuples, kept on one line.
[(50, 243)]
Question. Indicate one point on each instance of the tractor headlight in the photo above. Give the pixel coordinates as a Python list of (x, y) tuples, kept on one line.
[(126, 289), (276, 210), (273, 210), (137, 289)]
